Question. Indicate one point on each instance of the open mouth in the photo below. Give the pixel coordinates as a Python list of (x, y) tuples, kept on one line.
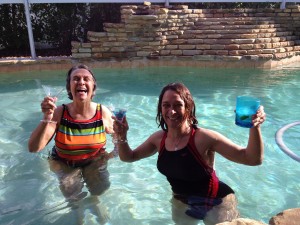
[(82, 91), (173, 118)]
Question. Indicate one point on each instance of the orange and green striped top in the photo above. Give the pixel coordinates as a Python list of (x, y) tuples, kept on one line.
[(80, 139)]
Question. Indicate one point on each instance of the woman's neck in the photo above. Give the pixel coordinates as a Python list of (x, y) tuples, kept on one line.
[(180, 131), (178, 137), (82, 110)]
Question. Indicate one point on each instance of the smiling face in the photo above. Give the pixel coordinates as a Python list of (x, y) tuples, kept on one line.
[(175, 106), (173, 109), (80, 76), (82, 84)]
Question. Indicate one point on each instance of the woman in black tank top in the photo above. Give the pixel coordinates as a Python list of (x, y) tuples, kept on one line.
[(186, 155)]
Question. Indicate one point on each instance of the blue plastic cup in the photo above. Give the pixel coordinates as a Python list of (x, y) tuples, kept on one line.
[(246, 107)]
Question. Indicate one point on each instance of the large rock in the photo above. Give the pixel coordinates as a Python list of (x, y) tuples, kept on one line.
[(287, 217), (242, 221)]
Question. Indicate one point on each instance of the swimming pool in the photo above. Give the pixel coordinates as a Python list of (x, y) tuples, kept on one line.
[(29, 192)]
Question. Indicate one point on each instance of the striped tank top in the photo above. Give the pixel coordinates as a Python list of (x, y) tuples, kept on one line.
[(80, 139)]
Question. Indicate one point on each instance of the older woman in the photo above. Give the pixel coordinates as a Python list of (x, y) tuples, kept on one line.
[(79, 129), (186, 156)]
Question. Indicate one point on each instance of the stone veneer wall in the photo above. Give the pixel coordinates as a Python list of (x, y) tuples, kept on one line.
[(154, 32)]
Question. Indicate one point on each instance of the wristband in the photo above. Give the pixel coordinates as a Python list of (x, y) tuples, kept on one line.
[(48, 121), (122, 141)]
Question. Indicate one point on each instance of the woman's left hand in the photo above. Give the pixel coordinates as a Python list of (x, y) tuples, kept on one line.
[(259, 117)]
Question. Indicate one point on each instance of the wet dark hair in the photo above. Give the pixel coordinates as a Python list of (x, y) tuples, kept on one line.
[(185, 95), (68, 79)]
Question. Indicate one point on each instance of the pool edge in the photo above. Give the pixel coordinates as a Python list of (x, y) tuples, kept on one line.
[(65, 62)]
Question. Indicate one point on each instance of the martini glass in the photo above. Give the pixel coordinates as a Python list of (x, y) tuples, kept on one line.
[(50, 91), (119, 113)]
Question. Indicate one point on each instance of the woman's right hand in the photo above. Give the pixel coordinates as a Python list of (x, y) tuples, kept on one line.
[(43, 133), (48, 107)]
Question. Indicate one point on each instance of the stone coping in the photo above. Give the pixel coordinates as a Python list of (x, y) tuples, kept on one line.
[(65, 62)]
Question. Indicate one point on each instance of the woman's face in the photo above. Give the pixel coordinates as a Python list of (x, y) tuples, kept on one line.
[(173, 109), (82, 84)]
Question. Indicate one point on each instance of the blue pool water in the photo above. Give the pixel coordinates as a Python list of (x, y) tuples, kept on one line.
[(29, 191)]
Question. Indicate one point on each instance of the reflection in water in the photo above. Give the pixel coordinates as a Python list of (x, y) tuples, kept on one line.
[(72, 179), (138, 194)]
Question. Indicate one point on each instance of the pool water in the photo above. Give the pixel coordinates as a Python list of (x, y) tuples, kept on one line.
[(139, 194)]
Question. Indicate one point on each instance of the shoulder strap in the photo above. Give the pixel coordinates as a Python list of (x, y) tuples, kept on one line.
[(99, 111), (162, 144), (214, 181), (65, 109), (194, 151)]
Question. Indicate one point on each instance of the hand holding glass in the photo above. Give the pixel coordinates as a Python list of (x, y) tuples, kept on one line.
[(51, 92), (119, 113), (246, 107)]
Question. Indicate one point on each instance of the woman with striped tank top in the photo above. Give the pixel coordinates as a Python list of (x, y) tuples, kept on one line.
[(79, 129)]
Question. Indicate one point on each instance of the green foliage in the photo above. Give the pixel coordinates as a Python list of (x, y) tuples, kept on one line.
[(101, 13), (54, 24), (13, 29), (59, 24)]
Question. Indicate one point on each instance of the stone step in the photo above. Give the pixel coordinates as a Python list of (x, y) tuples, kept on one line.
[(231, 32), (239, 52), (274, 27), (235, 23), (221, 22), (231, 44), (238, 23), (239, 34), (221, 30), (237, 19)]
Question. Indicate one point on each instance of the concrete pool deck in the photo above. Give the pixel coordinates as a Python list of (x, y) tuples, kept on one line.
[(8, 65)]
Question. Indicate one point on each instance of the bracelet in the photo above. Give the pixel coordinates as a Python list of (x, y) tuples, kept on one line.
[(48, 121), (122, 141)]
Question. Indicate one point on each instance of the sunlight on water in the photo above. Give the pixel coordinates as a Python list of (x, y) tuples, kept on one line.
[(139, 194)]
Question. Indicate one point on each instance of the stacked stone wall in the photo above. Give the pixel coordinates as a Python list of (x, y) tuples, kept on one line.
[(155, 32)]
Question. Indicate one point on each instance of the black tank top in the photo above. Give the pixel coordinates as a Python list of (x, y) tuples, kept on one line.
[(188, 174)]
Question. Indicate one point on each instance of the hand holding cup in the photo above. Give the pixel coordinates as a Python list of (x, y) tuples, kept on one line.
[(246, 107)]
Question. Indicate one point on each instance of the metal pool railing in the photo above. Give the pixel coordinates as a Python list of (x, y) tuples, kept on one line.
[(166, 2)]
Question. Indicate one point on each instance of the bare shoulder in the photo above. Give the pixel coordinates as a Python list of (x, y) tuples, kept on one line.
[(207, 134), (104, 107), (213, 138), (58, 113), (156, 137), (106, 111), (107, 120)]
